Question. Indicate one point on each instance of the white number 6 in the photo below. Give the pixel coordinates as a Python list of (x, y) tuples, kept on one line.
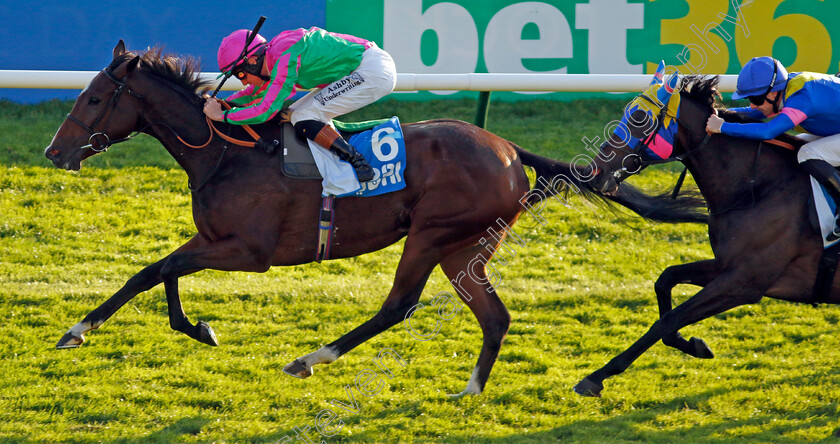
[(377, 140)]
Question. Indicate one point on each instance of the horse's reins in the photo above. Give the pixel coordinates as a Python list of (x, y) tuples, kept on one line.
[(112, 105), (643, 163), (214, 130), (115, 97), (704, 143)]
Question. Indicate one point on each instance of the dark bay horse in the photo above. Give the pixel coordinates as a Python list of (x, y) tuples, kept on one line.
[(460, 181), (759, 228)]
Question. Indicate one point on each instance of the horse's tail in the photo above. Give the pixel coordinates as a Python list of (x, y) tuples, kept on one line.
[(555, 178)]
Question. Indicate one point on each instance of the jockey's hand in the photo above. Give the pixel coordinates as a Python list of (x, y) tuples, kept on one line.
[(213, 109), (285, 115), (714, 123)]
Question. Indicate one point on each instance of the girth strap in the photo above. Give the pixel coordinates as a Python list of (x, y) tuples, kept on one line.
[(825, 274), (325, 228)]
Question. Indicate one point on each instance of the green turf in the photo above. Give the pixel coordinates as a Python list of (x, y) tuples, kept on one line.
[(579, 292)]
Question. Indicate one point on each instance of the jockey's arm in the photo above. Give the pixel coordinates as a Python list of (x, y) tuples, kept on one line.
[(281, 86), (759, 131), (749, 112)]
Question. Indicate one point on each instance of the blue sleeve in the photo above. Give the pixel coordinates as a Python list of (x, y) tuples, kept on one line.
[(760, 131), (749, 112)]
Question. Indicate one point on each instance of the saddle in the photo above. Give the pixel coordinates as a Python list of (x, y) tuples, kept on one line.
[(822, 220), (297, 160)]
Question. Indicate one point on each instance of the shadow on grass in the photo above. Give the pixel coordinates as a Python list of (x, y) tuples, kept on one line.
[(176, 432), (625, 427)]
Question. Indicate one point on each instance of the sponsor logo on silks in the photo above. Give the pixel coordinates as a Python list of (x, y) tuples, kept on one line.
[(659, 95), (339, 87), (384, 149)]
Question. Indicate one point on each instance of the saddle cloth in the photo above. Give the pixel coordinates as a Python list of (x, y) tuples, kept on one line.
[(825, 207), (382, 146), (826, 269)]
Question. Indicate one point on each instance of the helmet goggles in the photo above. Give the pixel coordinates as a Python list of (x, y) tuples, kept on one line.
[(244, 68)]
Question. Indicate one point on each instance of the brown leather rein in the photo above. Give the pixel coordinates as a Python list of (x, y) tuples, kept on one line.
[(216, 131)]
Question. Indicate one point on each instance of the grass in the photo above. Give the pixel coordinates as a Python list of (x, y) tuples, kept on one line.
[(579, 292)]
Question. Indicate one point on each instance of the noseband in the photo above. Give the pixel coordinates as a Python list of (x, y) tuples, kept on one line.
[(634, 156), (115, 98)]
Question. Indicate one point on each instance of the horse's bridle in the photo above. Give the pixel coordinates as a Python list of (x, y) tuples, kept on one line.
[(112, 104), (634, 155)]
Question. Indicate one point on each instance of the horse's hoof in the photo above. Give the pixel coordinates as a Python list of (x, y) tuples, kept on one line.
[(588, 388), (206, 334), (70, 341), (298, 369), (701, 350), (463, 394)]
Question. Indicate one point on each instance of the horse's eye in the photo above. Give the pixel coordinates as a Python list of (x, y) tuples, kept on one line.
[(93, 101)]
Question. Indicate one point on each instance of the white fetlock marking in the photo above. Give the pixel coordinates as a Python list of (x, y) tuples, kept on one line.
[(81, 328), (323, 355), (473, 387)]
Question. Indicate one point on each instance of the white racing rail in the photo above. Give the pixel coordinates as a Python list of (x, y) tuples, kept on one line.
[(405, 82)]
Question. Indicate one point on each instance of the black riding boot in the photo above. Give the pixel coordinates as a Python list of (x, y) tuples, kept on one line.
[(828, 177), (347, 153)]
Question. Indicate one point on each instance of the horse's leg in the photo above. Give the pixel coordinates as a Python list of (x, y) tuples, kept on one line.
[(416, 264), (723, 293), (140, 282), (466, 270), (227, 255), (695, 273)]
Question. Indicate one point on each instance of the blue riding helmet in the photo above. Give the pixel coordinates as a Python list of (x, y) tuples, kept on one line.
[(759, 77)]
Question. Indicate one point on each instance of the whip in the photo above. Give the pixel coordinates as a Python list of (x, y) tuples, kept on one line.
[(244, 54)]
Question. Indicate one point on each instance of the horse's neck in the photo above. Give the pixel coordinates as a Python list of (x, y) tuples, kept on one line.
[(729, 170), (171, 116)]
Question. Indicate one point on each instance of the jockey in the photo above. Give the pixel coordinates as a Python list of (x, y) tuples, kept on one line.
[(345, 72), (807, 100)]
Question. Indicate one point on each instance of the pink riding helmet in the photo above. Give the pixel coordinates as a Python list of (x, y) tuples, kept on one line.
[(232, 45)]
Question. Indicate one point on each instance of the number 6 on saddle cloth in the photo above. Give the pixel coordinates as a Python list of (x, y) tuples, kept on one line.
[(380, 142)]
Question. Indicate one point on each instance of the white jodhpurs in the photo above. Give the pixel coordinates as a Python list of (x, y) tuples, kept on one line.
[(375, 78), (822, 148)]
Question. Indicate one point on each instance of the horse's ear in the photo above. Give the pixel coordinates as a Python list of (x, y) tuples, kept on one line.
[(668, 87), (672, 82), (132, 65), (119, 49), (658, 75)]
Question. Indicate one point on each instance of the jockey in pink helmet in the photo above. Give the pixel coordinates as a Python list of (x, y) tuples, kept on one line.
[(344, 73), (230, 52)]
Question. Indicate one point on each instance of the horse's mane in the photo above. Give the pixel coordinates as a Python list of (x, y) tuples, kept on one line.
[(183, 72), (702, 89)]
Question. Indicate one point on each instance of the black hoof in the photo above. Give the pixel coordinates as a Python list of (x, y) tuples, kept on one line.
[(588, 388), (70, 341), (298, 369), (206, 334), (701, 350)]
